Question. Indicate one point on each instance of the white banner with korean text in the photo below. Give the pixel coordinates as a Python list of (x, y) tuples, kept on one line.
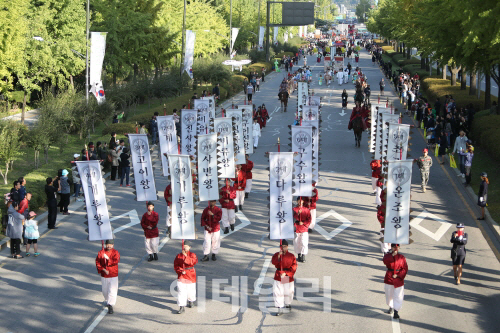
[(281, 198), (378, 133), (310, 112), (386, 119), (239, 146), (167, 135), (189, 119), (206, 103), (225, 147), (315, 145), (397, 216), (95, 200), (397, 145), (247, 127), (182, 197), (207, 167), (302, 144), (145, 187)]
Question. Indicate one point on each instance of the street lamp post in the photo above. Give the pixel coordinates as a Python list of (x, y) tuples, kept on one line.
[(183, 34)]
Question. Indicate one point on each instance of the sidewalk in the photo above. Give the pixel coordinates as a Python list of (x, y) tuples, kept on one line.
[(30, 117)]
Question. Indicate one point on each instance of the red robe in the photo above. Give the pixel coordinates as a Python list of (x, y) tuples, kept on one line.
[(395, 265), (227, 196), (186, 264), (376, 168), (287, 264), (258, 116), (265, 115), (150, 221), (168, 196), (241, 181), (110, 264), (211, 221), (381, 215), (310, 202), (248, 169), (357, 112), (304, 217)]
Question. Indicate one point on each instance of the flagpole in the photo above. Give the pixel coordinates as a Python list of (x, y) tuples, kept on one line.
[(87, 55)]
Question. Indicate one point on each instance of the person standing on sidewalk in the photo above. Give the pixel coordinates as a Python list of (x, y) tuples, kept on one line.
[(460, 147), (458, 252), (75, 176), (382, 86), (106, 263), (397, 268), (153, 127), (469, 155), (424, 163), (24, 209), (250, 93), (125, 167), (149, 224), (15, 229), (65, 192), (32, 234), (210, 219), (186, 277), (283, 287), (50, 192), (114, 162), (482, 196)]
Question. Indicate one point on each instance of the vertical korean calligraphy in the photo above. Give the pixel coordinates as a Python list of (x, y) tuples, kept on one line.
[(315, 145), (182, 197), (397, 216), (281, 199), (386, 119), (95, 200), (189, 120), (239, 147), (168, 140), (207, 167), (225, 146), (397, 143), (247, 127), (143, 171), (302, 144)]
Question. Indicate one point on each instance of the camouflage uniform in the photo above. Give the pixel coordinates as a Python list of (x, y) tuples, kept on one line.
[(424, 163)]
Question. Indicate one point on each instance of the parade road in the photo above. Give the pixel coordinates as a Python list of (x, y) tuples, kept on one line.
[(339, 288)]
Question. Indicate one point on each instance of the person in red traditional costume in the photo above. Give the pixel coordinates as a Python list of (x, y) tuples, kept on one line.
[(265, 115), (149, 224), (106, 263), (397, 268), (310, 203), (283, 287), (210, 219), (248, 170), (168, 198), (376, 166), (302, 220), (357, 112), (240, 184), (227, 196), (186, 277)]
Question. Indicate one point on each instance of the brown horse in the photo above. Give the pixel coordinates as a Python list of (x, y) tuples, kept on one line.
[(357, 127)]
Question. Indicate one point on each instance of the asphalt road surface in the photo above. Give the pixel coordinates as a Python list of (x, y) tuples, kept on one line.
[(339, 288)]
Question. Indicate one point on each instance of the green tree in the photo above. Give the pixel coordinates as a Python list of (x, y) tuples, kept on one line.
[(10, 133), (362, 10)]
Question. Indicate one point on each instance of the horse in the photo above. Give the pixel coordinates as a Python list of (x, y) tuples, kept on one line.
[(357, 127)]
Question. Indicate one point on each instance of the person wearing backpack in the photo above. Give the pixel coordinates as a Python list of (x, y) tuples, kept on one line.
[(15, 229)]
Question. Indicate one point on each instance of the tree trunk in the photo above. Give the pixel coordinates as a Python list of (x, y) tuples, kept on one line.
[(473, 83), (23, 111), (422, 62), (136, 72), (46, 153), (444, 72), (487, 90), (427, 64), (463, 79), (395, 46), (71, 82), (4, 175), (454, 72), (408, 52), (157, 70)]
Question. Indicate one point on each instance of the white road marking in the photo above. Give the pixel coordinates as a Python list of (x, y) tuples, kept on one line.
[(445, 225), (244, 222), (342, 113), (134, 219), (395, 325), (97, 320), (345, 224), (262, 275)]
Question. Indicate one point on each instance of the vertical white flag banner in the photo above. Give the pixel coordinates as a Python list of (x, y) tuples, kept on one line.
[(189, 53), (95, 200), (397, 216), (285, 37), (305, 30), (201, 102), (202, 122), (261, 38), (167, 135), (182, 197), (378, 133), (97, 51), (145, 187), (302, 144), (189, 120), (234, 34), (281, 198), (207, 167), (314, 101), (302, 95), (310, 112), (247, 127), (397, 145), (315, 145), (387, 118), (225, 146), (239, 146), (275, 36), (373, 124)]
